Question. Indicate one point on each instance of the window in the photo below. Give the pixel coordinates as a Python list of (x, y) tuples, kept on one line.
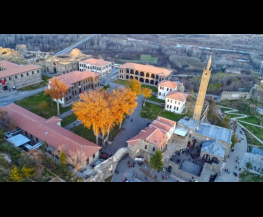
[(10, 78), (22, 75), (170, 106), (32, 72), (167, 89), (167, 106), (66, 99), (153, 149), (175, 108), (79, 83), (168, 100), (93, 156), (145, 147), (37, 71), (16, 76), (170, 89), (178, 103), (70, 97), (27, 74), (160, 93), (37, 139)]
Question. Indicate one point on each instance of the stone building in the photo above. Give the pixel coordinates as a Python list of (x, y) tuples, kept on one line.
[(164, 87), (58, 139), (22, 49), (154, 137), (63, 64), (175, 102), (16, 76), (96, 65), (217, 136), (146, 74), (78, 82)]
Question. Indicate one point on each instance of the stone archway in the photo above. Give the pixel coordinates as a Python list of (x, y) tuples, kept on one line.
[(152, 82), (127, 76), (108, 167), (142, 80), (147, 81)]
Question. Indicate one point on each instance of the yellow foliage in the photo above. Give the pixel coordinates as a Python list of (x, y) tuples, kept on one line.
[(28, 172), (57, 89), (135, 86), (146, 92), (16, 175)]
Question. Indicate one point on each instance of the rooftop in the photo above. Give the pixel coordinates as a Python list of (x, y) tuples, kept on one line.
[(177, 96), (50, 132), (147, 68), (7, 65), (76, 76), (213, 147), (97, 62), (169, 84), (18, 70), (208, 130)]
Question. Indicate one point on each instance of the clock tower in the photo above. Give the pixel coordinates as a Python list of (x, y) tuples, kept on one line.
[(202, 91)]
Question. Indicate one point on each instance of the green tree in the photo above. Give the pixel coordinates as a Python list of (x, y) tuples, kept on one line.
[(234, 140), (63, 159), (16, 175), (156, 161)]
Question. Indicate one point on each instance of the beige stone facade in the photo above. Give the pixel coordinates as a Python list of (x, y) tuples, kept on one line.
[(65, 63), (146, 74)]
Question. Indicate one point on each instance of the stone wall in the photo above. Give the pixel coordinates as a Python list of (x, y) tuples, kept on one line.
[(257, 93), (225, 95)]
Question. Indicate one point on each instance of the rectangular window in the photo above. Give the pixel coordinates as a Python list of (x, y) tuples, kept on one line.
[(79, 83), (66, 99), (22, 75), (167, 106), (10, 78), (168, 100), (167, 89), (37, 139), (93, 156), (37, 71), (27, 74), (16, 76), (178, 103), (70, 97), (145, 147), (175, 108), (153, 149), (170, 106), (32, 72)]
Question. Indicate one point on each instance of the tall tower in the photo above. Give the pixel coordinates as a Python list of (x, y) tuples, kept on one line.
[(202, 91)]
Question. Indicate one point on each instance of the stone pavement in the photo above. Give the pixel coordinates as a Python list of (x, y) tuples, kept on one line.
[(240, 150), (65, 114)]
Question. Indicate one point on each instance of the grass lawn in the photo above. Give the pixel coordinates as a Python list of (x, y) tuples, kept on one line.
[(155, 99), (247, 176), (233, 116), (125, 82), (36, 86), (224, 109), (255, 130), (151, 111), (68, 120), (172, 116), (32, 104), (252, 120), (252, 141)]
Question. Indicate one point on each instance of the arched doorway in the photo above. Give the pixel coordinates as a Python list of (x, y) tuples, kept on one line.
[(152, 82), (54, 70), (136, 78), (136, 73), (132, 72), (142, 74), (127, 71), (127, 76), (131, 77), (142, 80), (147, 75), (147, 81), (153, 76), (156, 83)]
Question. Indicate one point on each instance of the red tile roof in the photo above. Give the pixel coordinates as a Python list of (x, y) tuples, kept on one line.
[(165, 121), (18, 70), (76, 76), (147, 68), (49, 131), (7, 65), (169, 84), (177, 96), (97, 62)]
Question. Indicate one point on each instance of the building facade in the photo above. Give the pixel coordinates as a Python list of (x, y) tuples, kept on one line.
[(175, 102), (155, 137), (78, 82), (164, 87), (96, 65), (15, 76), (58, 139), (146, 74), (63, 64)]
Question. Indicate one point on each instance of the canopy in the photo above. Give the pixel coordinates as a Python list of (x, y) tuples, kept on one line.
[(180, 131), (18, 140)]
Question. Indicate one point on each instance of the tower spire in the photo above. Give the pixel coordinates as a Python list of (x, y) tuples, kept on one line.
[(209, 62)]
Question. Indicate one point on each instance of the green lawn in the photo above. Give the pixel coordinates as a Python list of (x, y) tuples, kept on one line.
[(255, 130), (155, 99), (32, 104), (125, 82), (252, 120), (151, 111), (36, 86), (224, 109), (68, 120), (233, 115), (172, 116), (247, 176), (252, 141)]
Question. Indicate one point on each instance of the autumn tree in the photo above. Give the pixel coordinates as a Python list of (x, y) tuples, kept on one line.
[(90, 110), (16, 175), (28, 172), (43, 105), (57, 90), (156, 161), (6, 123), (135, 86), (147, 93), (77, 158)]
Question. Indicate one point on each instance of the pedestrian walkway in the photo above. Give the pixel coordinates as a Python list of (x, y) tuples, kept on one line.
[(251, 124), (65, 114), (156, 103)]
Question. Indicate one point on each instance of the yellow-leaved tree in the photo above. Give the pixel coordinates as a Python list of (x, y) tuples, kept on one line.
[(91, 110), (147, 93), (57, 90), (135, 86)]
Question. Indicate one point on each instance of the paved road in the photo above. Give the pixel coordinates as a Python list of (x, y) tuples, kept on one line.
[(68, 49), (239, 150), (20, 95)]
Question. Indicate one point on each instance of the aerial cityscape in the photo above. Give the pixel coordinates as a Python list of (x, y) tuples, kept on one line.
[(131, 108)]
